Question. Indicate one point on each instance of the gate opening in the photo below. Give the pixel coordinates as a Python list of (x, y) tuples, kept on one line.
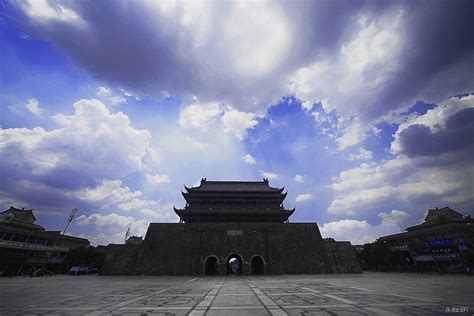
[(211, 266), (234, 264), (257, 265)]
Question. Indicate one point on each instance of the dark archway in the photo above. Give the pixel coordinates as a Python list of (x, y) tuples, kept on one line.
[(234, 264), (211, 265), (257, 265)]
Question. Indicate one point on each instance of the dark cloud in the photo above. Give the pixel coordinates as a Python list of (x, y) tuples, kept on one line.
[(146, 50), (438, 57), (418, 140)]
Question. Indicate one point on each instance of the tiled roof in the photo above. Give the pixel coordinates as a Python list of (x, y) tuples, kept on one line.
[(234, 186)]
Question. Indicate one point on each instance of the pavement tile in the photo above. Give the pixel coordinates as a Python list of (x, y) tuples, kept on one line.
[(362, 294)]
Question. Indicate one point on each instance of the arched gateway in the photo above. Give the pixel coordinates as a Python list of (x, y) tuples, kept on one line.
[(211, 266), (224, 220), (257, 265), (234, 264), (238, 215)]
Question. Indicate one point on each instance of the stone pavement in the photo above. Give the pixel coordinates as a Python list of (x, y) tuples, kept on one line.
[(361, 294)]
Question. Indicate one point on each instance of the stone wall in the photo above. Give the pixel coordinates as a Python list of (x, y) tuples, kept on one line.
[(341, 257), (182, 249), (122, 260), (177, 249)]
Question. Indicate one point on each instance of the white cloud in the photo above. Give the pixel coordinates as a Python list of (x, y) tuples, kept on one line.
[(101, 135), (257, 37), (82, 159), (248, 55), (299, 178), (318, 117), (157, 179), (372, 175), (154, 155), (117, 99), (165, 214), (357, 232), (33, 106), (106, 94), (364, 188), (269, 175), (211, 153), (362, 155), (107, 193), (110, 228), (248, 158), (135, 204), (195, 144), (304, 197), (105, 220), (376, 130), (430, 172), (394, 217), (43, 10), (150, 213), (351, 136), (198, 115), (350, 79), (237, 122)]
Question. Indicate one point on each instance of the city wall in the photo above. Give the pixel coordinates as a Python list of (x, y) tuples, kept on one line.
[(182, 249)]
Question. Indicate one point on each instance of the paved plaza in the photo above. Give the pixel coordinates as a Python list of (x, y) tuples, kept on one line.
[(359, 294)]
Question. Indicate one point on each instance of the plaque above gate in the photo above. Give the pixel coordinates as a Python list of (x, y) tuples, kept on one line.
[(234, 233)]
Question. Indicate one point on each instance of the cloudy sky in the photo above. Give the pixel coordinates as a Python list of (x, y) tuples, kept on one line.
[(363, 110)]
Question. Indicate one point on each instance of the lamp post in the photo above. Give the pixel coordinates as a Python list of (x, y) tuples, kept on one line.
[(127, 233), (70, 218)]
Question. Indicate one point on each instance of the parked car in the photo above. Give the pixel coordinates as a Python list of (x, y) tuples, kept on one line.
[(92, 271), (78, 270)]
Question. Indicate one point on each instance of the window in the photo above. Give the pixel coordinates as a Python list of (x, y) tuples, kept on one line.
[(31, 240), (7, 236), (50, 242), (41, 241), (20, 238)]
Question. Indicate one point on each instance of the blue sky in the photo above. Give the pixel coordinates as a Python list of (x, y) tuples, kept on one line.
[(362, 110)]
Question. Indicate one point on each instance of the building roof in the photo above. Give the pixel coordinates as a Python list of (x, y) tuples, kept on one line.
[(234, 186), (439, 216), (234, 201), (442, 213), (19, 217), (22, 221), (438, 219)]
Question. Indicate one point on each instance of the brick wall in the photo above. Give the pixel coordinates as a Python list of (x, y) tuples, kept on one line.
[(182, 249)]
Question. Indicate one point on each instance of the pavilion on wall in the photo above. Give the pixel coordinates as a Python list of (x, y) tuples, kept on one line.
[(233, 201)]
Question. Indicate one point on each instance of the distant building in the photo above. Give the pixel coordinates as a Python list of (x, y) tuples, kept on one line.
[(228, 227), (444, 242), (25, 245)]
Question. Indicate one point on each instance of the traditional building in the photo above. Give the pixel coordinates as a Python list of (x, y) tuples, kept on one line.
[(25, 245), (228, 227), (444, 242), (233, 201)]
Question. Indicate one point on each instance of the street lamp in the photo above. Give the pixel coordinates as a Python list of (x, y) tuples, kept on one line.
[(70, 218)]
